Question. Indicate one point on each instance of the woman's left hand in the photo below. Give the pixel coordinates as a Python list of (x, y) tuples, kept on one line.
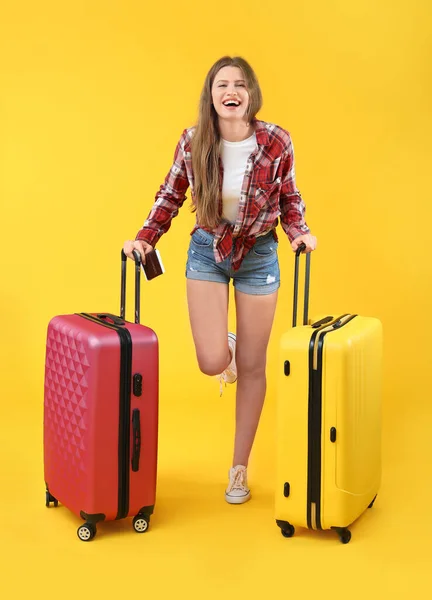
[(308, 240)]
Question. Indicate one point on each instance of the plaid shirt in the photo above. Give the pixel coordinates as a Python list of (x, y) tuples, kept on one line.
[(269, 191)]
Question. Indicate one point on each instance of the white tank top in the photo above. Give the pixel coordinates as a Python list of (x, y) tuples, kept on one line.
[(234, 158)]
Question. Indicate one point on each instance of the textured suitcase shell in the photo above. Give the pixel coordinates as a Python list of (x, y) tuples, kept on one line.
[(81, 417)]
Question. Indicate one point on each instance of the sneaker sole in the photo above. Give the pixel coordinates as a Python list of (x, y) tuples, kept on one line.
[(237, 499)]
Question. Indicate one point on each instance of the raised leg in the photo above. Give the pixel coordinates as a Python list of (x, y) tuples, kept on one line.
[(208, 314)]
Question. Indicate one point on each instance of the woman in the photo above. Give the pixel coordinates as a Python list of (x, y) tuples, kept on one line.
[(241, 174)]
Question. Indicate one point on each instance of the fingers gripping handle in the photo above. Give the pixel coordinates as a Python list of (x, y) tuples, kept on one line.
[(137, 258), (307, 285)]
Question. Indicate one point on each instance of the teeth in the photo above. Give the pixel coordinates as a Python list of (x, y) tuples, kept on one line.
[(231, 103)]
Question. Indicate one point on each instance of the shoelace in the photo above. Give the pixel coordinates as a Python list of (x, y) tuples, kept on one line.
[(237, 483), (223, 378)]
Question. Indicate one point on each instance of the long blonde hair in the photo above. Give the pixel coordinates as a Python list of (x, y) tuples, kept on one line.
[(206, 141)]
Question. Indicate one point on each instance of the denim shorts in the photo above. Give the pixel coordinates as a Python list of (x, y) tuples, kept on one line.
[(258, 273)]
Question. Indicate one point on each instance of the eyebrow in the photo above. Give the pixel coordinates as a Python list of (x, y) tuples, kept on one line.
[(226, 81)]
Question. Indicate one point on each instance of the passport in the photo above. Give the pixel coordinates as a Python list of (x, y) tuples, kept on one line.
[(153, 266)]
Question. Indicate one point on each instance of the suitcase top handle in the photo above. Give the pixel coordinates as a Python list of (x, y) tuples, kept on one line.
[(306, 290), (137, 258)]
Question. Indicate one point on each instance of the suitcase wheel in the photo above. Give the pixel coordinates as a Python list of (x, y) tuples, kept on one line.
[(345, 537), (287, 530), (141, 523), (86, 532), (372, 503), (49, 499), (344, 534)]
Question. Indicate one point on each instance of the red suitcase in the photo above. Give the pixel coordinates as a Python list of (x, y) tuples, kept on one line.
[(101, 415)]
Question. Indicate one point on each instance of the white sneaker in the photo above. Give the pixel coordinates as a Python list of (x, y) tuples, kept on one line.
[(237, 491), (230, 373)]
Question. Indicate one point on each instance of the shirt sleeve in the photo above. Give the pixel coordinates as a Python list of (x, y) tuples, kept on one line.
[(291, 203), (169, 198)]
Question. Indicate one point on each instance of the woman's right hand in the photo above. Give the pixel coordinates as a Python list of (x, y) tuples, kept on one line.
[(142, 247)]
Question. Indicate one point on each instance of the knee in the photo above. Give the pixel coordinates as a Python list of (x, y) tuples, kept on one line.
[(212, 364), (252, 369)]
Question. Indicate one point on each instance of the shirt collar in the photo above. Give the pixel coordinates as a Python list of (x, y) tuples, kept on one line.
[(263, 138), (261, 132)]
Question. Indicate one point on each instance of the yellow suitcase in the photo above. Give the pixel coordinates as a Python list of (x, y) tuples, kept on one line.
[(328, 420)]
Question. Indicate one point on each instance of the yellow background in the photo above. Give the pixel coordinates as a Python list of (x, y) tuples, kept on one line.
[(94, 96)]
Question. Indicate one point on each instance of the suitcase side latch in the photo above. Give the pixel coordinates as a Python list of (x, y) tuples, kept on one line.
[(333, 434), (286, 489), (287, 367)]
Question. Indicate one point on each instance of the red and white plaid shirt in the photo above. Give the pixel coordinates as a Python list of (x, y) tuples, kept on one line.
[(269, 191)]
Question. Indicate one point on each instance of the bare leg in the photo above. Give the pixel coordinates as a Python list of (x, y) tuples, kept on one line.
[(254, 322), (208, 314)]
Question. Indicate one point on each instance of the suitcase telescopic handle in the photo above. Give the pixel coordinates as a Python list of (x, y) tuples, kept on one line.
[(137, 258), (307, 285)]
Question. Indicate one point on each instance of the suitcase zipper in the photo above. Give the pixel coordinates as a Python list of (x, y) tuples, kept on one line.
[(335, 324), (124, 412), (316, 346), (124, 421)]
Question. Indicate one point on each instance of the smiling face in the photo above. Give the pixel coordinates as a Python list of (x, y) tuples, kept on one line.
[(229, 94)]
